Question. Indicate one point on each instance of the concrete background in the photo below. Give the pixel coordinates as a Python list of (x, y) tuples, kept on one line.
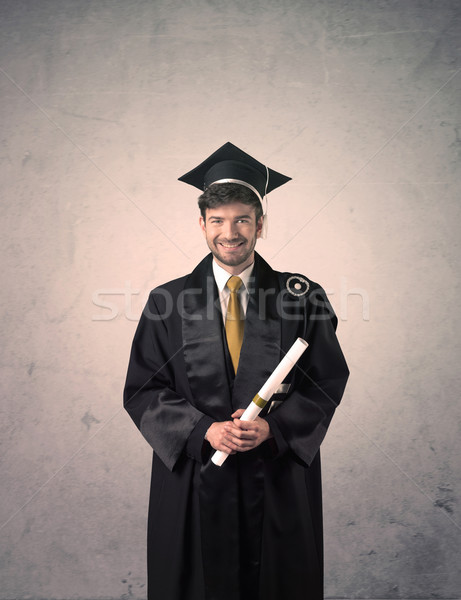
[(104, 104)]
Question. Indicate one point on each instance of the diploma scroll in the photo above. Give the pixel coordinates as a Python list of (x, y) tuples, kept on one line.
[(267, 390)]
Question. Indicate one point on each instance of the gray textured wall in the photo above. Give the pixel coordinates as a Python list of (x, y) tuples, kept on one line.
[(104, 104)]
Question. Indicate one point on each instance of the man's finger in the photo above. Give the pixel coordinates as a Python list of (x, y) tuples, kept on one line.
[(238, 413), (243, 435), (246, 425)]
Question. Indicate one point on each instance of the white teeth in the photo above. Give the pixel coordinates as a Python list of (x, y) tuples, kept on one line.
[(230, 245)]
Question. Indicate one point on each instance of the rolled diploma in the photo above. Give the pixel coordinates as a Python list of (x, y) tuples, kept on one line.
[(267, 390)]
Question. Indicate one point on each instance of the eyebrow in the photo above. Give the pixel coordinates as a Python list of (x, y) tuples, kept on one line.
[(237, 217)]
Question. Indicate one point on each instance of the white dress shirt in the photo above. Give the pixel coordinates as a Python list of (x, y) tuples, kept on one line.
[(222, 277)]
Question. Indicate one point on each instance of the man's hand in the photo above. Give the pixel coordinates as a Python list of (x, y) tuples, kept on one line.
[(219, 438), (246, 435), (238, 436)]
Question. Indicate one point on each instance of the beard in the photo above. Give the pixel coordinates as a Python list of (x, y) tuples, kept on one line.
[(232, 257)]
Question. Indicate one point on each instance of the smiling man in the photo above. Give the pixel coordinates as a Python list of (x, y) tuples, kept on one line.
[(205, 344), (231, 230)]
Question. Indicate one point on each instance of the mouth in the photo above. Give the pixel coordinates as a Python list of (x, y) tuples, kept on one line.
[(232, 246)]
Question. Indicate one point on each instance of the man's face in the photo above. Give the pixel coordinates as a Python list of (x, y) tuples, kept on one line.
[(231, 232)]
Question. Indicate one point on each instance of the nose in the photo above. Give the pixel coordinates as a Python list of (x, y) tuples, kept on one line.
[(230, 230)]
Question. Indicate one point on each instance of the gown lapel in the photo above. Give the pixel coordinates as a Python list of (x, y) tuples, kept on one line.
[(261, 348), (204, 350)]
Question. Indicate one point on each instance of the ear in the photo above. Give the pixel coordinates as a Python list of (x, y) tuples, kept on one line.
[(202, 224), (259, 227)]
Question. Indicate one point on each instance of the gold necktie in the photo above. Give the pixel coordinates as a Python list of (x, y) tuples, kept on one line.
[(234, 321)]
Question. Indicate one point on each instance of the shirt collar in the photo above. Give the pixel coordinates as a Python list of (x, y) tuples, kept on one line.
[(222, 276)]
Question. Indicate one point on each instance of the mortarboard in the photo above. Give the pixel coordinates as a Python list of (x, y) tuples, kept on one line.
[(229, 164)]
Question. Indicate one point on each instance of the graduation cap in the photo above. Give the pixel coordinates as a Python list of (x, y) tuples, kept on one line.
[(229, 164)]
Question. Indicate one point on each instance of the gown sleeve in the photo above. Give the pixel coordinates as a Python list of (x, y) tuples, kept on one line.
[(166, 419), (300, 423)]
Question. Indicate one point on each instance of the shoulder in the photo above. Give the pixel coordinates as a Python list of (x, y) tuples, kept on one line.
[(298, 286), (305, 295), (164, 297), (161, 305), (294, 288), (295, 285)]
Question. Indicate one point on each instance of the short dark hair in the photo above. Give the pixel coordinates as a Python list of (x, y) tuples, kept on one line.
[(227, 193)]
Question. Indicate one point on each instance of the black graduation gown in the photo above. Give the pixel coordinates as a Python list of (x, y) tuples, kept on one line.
[(253, 527)]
